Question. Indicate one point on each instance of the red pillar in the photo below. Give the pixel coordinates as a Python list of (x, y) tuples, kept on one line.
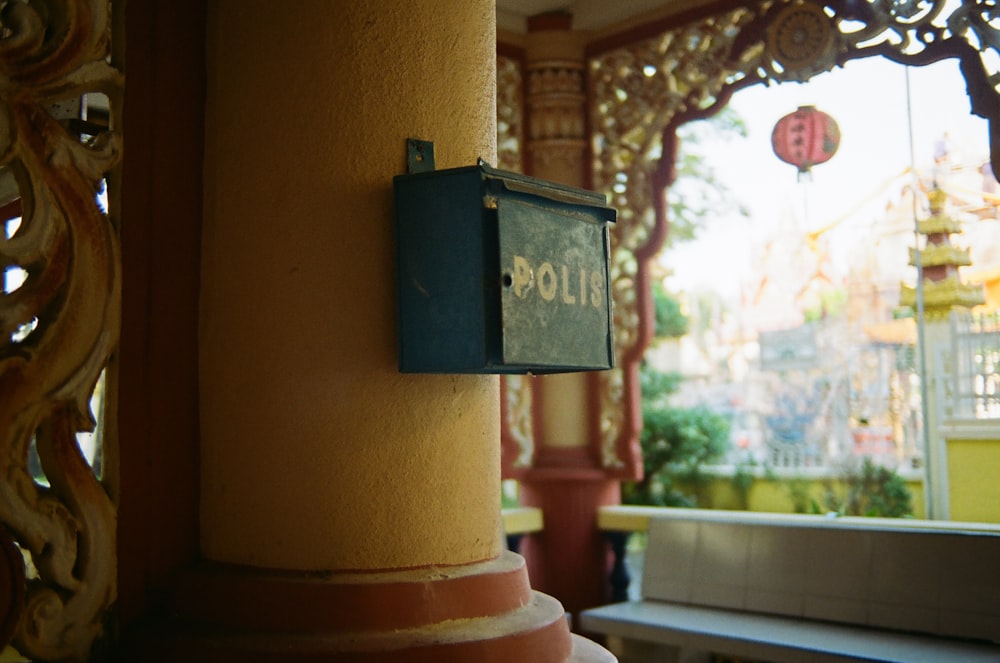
[(570, 559)]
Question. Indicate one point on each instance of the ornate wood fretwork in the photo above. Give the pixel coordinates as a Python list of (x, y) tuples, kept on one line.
[(517, 433), (12, 586), (637, 91), (643, 91), (510, 115), (58, 329)]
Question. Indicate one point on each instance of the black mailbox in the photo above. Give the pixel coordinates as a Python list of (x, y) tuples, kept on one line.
[(501, 273)]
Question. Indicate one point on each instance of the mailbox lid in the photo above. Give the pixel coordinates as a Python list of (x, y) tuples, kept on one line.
[(590, 203), (555, 307)]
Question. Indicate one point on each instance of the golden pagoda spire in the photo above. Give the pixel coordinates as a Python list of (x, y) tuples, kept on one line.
[(943, 289)]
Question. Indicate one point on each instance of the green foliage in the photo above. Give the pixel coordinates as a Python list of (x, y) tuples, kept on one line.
[(802, 500), (873, 491), (509, 494), (903, 312), (657, 386), (670, 320), (675, 443), (870, 490), (743, 479)]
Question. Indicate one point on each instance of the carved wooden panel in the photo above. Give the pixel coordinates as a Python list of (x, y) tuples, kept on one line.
[(59, 318), (517, 432)]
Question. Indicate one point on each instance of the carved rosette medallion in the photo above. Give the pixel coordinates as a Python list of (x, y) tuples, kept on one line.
[(800, 39), (59, 326)]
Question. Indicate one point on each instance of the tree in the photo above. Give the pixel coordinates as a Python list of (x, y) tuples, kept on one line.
[(670, 319), (676, 443)]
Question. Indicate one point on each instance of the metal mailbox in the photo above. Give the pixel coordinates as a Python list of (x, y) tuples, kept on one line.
[(501, 273)]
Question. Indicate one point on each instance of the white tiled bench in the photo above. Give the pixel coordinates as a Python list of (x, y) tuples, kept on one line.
[(800, 588)]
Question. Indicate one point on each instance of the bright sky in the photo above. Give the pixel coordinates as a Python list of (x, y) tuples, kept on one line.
[(867, 98)]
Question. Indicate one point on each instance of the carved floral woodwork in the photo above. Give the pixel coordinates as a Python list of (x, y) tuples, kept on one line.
[(510, 120), (517, 434), (59, 328), (642, 92)]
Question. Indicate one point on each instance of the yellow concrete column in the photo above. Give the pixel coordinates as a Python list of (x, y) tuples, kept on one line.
[(317, 452), (348, 512)]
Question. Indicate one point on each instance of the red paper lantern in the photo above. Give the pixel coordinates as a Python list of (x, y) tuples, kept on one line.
[(805, 138)]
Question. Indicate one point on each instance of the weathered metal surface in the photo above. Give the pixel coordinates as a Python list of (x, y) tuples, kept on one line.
[(501, 273), (554, 269)]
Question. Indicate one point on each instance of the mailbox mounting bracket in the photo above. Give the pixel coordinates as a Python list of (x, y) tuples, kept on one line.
[(419, 156)]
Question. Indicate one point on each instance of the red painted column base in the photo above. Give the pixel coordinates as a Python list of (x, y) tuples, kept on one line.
[(478, 612), (570, 559)]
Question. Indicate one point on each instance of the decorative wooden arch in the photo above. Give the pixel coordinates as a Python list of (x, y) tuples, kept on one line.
[(643, 84)]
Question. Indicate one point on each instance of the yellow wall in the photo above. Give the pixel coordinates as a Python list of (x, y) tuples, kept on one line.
[(973, 482), (785, 495)]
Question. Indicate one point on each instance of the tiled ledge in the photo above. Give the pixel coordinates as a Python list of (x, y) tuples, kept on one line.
[(626, 518)]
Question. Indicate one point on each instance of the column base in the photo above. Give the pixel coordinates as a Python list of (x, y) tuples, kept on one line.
[(478, 612), (571, 560)]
